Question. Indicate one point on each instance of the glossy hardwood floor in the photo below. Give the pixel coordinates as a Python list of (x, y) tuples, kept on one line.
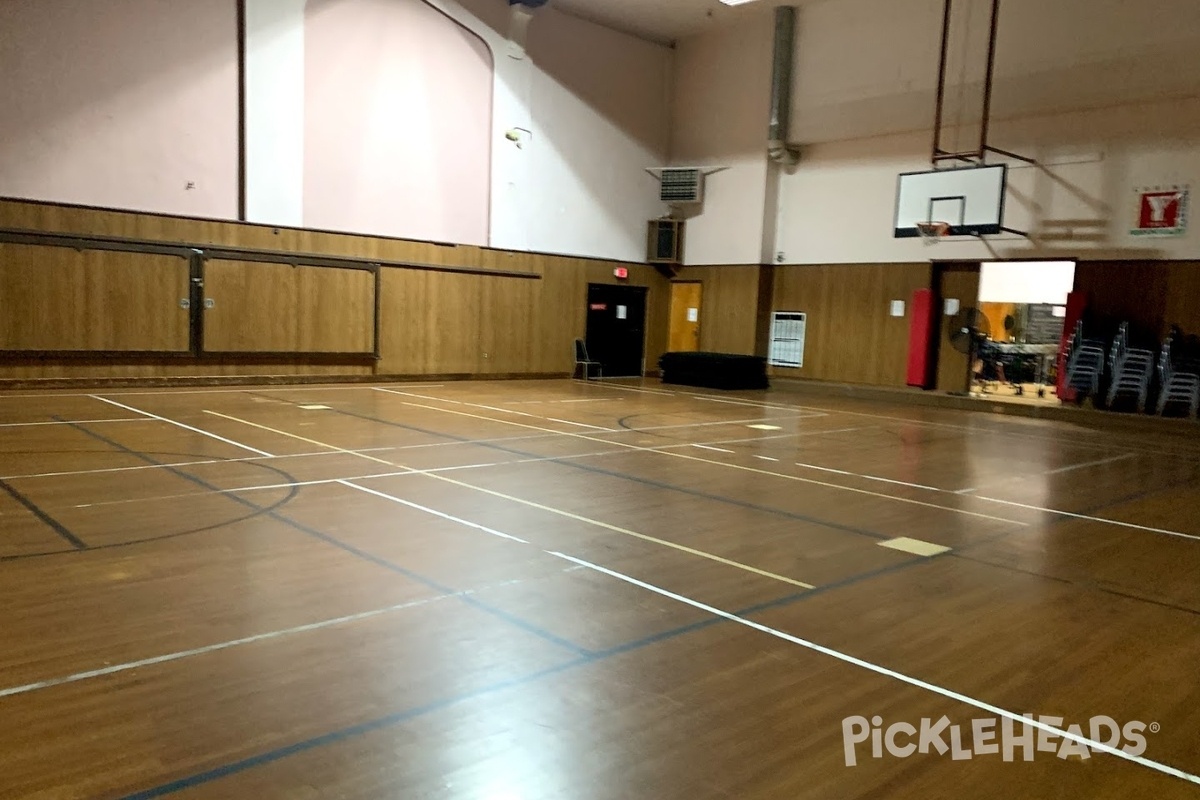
[(527, 590)]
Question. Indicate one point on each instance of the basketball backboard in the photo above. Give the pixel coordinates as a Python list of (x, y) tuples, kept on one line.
[(970, 199)]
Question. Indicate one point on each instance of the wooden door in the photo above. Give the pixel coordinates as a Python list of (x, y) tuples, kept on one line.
[(685, 317), (959, 284)]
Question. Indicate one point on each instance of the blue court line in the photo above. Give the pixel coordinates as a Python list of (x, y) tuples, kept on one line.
[(324, 537), (334, 737), (622, 476), (33, 508)]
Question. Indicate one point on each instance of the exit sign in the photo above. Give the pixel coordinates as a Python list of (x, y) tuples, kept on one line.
[(621, 272)]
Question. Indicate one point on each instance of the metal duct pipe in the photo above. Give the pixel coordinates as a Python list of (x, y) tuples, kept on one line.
[(781, 89)]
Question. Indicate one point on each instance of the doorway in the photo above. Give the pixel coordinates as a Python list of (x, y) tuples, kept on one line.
[(684, 336), (1023, 305), (616, 328)]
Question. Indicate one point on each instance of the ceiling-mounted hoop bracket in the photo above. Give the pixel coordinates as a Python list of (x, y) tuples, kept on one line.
[(979, 155)]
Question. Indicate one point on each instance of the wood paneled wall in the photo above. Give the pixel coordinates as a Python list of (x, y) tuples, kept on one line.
[(1151, 295), (52, 218), (729, 307), (58, 298), (431, 323), (445, 323), (850, 335), (278, 308)]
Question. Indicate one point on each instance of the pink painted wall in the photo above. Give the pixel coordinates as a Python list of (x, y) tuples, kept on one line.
[(120, 103), (397, 122)]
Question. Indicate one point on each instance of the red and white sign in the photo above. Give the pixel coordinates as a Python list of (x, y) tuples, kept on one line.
[(621, 273), (1162, 211)]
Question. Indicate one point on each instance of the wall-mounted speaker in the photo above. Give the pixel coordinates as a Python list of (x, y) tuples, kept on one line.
[(664, 241)]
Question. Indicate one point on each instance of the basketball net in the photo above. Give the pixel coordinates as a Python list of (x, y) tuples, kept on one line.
[(933, 232)]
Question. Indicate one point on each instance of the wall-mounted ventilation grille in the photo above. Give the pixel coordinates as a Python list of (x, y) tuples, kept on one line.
[(682, 186)]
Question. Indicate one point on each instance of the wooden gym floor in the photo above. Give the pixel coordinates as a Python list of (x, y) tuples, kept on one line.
[(553, 589)]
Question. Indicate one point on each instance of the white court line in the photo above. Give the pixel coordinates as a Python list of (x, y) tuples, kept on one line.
[(181, 425), (624, 388), (795, 416), (303, 439), (255, 459), (950, 694), (1089, 518), (1103, 520), (546, 402), (434, 512), (881, 480), (404, 471), (297, 387), (994, 431), (968, 492), (785, 476), (767, 458), (580, 424), (777, 436), (497, 408), (325, 481), (1059, 471), (925, 423), (69, 422), (1101, 462), (393, 448), (884, 671), (569, 515), (708, 447), (261, 637), (550, 509)]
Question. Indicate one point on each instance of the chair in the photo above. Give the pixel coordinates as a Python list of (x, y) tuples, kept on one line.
[(1131, 369), (1177, 385), (1085, 362), (581, 359)]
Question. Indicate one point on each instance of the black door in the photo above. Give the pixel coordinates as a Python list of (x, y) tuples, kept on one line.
[(616, 328)]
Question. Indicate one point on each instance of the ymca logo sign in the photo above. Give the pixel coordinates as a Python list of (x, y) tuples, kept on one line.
[(1162, 211)]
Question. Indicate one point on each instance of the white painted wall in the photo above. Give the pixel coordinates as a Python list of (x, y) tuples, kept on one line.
[(126, 104), (1026, 282), (591, 110), (274, 92), (839, 204), (719, 119), (1105, 94), (600, 111), (102, 113)]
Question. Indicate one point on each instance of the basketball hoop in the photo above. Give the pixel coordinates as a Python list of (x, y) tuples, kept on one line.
[(933, 232)]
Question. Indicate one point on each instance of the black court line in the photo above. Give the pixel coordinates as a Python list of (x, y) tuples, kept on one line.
[(620, 475), (956, 552), (332, 540), (292, 492), (399, 717), (975, 416), (1092, 511), (54, 524)]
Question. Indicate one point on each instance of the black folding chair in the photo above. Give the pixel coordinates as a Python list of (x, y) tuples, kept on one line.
[(581, 359)]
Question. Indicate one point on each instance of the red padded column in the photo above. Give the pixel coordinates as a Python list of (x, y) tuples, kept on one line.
[(920, 328)]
